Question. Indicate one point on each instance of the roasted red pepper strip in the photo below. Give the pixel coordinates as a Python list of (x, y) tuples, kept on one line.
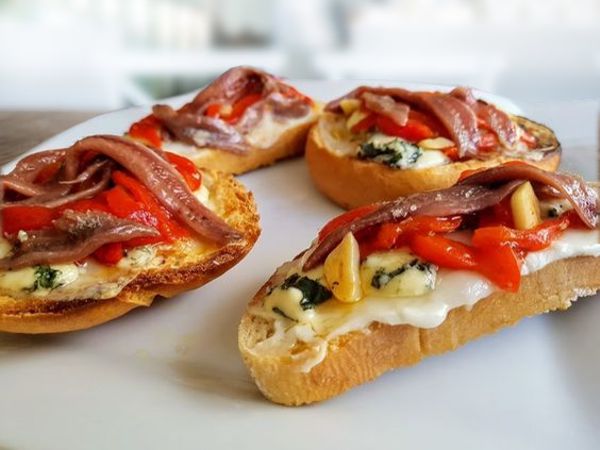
[(451, 152), (499, 214), (109, 254), (413, 131), (345, 218), (213, 110), (537, 238), (393, 235), (187, 169), (26, 218), (499, 264), (147, 130), (443, 252), (365, 124), (239, 108)]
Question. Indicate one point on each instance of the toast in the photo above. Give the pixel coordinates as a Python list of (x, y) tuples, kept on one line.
[(243, 120), (300, 356), (174, 267), (351, 181), (356, 358)]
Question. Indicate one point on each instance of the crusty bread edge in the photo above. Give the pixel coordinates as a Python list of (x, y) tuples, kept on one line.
[(235, 204), (350, 182), (356, 358)]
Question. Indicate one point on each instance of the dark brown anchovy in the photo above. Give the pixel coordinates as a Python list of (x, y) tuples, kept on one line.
[(200, 130), (76, 236), (582, 197)]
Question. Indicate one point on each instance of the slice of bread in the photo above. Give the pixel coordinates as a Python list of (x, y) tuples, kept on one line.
[(358, 357), (180, 272), (351, 182)]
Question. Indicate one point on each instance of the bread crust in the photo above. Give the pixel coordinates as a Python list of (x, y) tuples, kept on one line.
[(356, 358), (351, 182), (291, 143), (233, 202)]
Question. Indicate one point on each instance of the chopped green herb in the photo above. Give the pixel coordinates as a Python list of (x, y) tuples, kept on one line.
[(396, 153), (45, 278), (313, 293), (382, 278)]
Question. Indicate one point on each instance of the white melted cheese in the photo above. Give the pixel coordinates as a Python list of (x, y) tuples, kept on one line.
[(453, 289), (263, 135)]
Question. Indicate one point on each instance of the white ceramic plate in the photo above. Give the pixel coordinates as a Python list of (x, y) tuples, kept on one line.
[(171, 376)]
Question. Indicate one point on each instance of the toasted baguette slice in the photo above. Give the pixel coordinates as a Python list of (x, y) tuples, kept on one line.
[(351, 182), (180, 272), (292, 142), (356, 357)]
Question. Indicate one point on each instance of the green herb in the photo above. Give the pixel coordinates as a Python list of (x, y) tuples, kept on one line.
[(395, 153), (382, 278), (45, 278), (313, 293)]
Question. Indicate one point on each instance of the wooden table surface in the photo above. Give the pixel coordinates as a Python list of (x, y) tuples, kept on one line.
[(22, 130)]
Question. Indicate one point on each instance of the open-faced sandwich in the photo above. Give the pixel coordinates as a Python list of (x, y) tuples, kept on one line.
[(388, 284), (377, 144), (243, 120), (89, 232)]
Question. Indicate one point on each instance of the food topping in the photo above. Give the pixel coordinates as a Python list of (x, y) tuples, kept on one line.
[(393, 152), (105, 195), (500, 214), (224, 112), (455, 122)]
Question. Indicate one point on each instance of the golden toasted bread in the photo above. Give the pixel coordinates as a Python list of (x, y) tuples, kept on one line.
[(358, 357), (352, 182)]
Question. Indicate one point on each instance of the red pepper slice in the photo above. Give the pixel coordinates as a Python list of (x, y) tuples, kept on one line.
[(213, 110), (187, 169), (499, 214), (537, 238), (452, 153), (413, 131), (26, 218), (109, 254), (498, 264), (365, 124), (443, 252), (344, 219), (393, 235), (501, 265), (239, 108), (147, 130)]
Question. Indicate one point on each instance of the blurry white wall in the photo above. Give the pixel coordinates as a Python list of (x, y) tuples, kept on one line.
[(102, 54)]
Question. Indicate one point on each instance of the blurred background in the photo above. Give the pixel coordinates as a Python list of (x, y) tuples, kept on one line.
[(106, 54)]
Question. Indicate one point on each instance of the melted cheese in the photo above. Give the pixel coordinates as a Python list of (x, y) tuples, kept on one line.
[(453, 289), (263, 135)]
